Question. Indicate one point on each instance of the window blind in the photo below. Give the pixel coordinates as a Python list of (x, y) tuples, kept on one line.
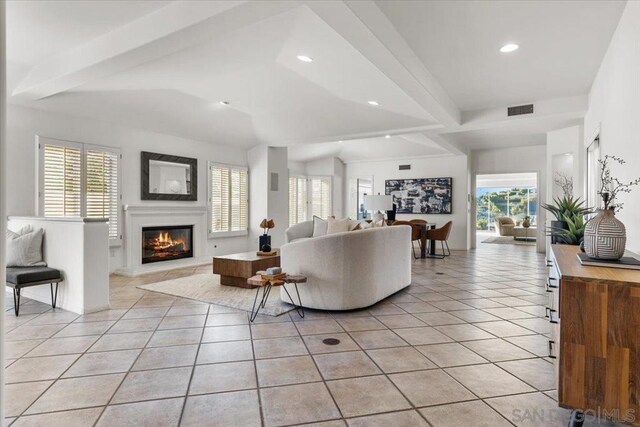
[(79, 180), (297, 199), (321, 197), (62, 192), (228, 198), (102, 188)]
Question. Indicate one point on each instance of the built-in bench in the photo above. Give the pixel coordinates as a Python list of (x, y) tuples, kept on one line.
[(24, 277)]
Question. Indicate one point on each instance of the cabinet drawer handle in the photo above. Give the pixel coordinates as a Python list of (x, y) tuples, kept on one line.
[(550, 286), (549, 263), (548, 311), (551, 355)]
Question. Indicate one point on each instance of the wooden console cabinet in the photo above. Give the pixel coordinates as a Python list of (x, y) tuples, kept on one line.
[(595, 338)]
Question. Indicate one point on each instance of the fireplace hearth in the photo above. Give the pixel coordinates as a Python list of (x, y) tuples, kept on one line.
[(167, 243)]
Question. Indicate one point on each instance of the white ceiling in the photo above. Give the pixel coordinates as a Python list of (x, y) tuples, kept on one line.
[(561, 46), (165, 66)]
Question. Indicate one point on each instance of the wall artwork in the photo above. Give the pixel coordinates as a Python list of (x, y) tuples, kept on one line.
[(421, 196)]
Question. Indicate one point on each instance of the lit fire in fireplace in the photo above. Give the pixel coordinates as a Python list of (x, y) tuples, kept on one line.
[(165, 242)]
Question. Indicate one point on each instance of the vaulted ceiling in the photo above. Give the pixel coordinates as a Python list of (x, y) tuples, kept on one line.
[(434, 69)]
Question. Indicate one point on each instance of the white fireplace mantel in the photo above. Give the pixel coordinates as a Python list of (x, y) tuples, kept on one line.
[(137, 217)]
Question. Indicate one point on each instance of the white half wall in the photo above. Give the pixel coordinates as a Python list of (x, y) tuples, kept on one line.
[(614, 113), (511, 160), (25, 123), (437, 167)]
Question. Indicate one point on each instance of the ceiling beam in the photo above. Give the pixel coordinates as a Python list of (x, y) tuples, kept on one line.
[(366, 28), (569, 108), (174, 27)]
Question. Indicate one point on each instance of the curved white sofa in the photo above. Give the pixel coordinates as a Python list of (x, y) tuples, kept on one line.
[(348, 270)]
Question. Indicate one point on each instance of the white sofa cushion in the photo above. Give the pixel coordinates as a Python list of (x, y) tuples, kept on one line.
[(337, 225), (319, 226)]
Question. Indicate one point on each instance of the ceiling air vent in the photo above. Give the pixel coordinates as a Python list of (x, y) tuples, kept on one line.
[(404, 167), (520, 109)]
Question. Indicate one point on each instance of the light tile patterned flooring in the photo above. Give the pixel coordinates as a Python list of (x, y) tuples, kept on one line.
[(465, 344)]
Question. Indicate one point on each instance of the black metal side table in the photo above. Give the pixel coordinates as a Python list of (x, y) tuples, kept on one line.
[(267, 284)]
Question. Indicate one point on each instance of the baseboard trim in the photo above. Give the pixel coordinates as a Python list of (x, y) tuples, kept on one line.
[(163, 266)]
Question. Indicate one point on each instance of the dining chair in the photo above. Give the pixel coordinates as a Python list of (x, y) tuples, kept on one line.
[(441, 234), (415, 235)]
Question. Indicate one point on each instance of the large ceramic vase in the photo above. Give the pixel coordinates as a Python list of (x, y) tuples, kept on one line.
[(604, 236)]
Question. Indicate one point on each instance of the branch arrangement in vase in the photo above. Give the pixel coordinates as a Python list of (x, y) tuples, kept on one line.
[(605, 236), (611, 186)]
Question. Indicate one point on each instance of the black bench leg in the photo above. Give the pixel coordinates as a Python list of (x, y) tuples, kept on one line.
[(54, 297), (16, 301)]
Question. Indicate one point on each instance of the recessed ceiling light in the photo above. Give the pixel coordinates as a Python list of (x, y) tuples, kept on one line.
[(387, 136), (224, 103), (340, 141), (510, 47), (305, 58), (374, 103)]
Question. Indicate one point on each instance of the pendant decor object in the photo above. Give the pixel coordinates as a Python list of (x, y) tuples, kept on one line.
[(605, 236)]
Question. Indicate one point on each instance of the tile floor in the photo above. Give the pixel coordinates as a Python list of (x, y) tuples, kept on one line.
[(465, 344)]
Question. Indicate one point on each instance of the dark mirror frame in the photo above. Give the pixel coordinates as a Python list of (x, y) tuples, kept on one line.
[(145, 156)]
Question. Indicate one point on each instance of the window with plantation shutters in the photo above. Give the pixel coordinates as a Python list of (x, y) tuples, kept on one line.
[(102, 195), (62, 176), (228, 199), (79, 180), (297, 199), (320, 196)]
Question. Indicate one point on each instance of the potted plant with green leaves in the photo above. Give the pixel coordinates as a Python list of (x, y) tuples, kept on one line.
[(569, 224)]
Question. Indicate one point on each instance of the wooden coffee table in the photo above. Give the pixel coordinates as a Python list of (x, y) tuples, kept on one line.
[(235, 269)]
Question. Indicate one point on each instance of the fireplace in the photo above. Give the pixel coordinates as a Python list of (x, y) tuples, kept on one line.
[(167, 243)]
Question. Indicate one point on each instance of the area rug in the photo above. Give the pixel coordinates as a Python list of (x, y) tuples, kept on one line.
[(207, 288), (508, 240)]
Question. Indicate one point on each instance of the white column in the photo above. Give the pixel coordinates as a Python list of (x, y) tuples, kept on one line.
[(3, 213)]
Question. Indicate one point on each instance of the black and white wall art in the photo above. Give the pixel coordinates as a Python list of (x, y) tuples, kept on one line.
[(421, 196)]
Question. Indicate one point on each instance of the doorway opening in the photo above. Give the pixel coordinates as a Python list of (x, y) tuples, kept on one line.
[(506, 209)]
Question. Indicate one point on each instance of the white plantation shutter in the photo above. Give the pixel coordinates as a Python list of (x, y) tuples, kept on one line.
[(321, 196), (79, 180), (228, 198), (102, 187), (62, 186), (239, 196), (297, 199)]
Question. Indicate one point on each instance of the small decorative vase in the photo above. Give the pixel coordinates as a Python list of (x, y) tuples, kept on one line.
[(526, 223), (266, 248), (265, 239), (605, 236)]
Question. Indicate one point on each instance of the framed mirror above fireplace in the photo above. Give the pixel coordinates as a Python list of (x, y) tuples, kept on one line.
[(167, 177)]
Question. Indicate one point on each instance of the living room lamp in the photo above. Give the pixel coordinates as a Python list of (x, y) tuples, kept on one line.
[(378, 204)]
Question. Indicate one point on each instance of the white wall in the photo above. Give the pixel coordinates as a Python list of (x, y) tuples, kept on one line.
[(511, 160), (263, 201), (614, 112), (561, 142), (453, 166), (25, 123)]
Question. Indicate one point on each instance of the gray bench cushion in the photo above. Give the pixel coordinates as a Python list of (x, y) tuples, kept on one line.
[(17, 276)]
